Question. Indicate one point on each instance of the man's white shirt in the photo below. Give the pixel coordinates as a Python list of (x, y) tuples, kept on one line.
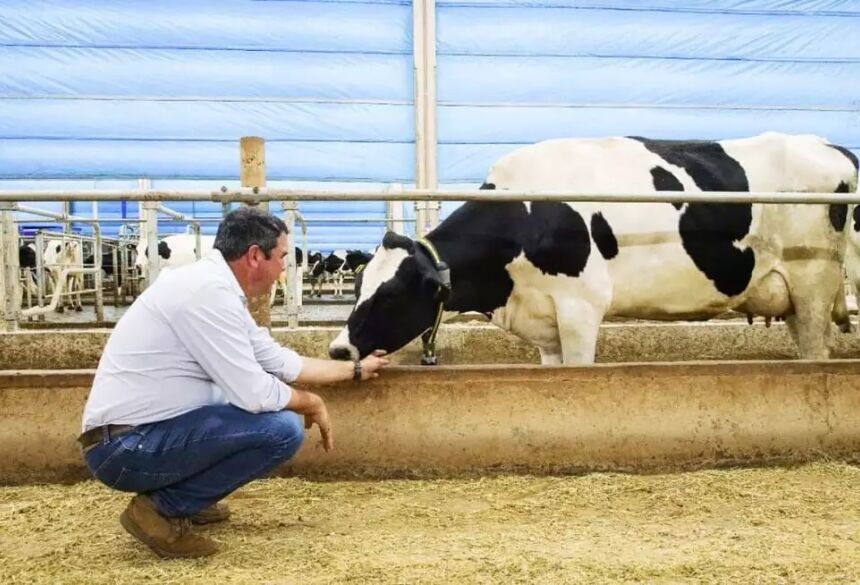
[(189, 341)]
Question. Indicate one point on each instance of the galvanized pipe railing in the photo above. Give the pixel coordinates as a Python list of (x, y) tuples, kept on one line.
[(254, 196), (195, 226)]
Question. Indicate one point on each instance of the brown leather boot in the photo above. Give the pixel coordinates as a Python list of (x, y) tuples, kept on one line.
[(214, 513), (167, 537)]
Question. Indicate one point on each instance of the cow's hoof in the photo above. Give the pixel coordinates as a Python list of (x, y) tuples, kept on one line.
[(79, 309), (61, 309)]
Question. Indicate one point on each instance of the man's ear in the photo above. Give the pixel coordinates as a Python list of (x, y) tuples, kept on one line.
[(255, 255)]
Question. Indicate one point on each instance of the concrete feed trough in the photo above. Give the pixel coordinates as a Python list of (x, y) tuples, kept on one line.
[(451, 421)]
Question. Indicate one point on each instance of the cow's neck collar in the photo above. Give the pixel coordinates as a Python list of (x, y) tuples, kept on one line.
[(428, 338)]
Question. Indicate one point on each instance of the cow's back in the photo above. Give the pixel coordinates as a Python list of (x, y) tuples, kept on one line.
[(690, 260)]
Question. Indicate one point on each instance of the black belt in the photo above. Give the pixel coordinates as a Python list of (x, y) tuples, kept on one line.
[(103, 434)]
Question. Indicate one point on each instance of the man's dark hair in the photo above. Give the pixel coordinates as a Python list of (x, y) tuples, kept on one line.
[(244, 227)]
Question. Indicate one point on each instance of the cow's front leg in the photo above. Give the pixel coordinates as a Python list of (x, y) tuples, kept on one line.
[(839, 313), (812, 292), (550, 356), (79, 286), (578, 327)]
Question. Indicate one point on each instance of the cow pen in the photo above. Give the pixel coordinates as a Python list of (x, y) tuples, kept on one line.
[(733, 342), (647, 454)]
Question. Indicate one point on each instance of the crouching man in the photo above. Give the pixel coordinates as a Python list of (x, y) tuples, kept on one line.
[(191, 399)]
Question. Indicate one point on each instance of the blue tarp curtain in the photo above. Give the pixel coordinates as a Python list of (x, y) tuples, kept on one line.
[(119, 90)]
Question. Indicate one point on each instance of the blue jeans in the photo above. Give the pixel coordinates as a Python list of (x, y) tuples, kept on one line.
[(189, 462)]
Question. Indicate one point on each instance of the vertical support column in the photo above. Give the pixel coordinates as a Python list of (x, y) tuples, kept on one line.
[(119, 272), (394, 211), (294, 275), (420, 99), (41, 274), (9, 269), (150, 230), (97, 277), (424, 71), (431, 219), (67, 211), (252, 172)]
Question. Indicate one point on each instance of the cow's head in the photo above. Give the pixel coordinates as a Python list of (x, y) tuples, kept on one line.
[(141, 261), (356, 258), (400, 293)]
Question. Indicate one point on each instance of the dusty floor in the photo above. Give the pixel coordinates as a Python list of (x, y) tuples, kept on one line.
[(797, 525)]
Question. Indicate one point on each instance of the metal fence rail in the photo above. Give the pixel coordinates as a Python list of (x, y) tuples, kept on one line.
[(153, 197), (259, 195)]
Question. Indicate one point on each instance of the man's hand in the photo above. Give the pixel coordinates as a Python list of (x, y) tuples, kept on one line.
[(373, 364), (312, 407), (320, 418)]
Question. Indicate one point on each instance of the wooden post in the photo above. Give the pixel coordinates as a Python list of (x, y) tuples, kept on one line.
[(252, 172)]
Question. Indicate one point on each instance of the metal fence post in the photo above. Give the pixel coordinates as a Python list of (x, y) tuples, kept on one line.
[(293, 275), (40, 270), (150, 227), (97, 276), (394, 211), (9, 269)]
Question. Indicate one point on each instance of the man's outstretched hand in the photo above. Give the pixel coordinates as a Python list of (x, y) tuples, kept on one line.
[(373, 364)]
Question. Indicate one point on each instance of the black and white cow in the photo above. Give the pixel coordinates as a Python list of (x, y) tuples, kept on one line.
[(356, 260), (65, 256), (175, 251), (281, 282), (27, 264), (550, 272), (333, 268), (316, 272)]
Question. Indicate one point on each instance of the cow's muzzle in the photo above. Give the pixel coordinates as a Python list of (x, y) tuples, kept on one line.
[(342, 352)]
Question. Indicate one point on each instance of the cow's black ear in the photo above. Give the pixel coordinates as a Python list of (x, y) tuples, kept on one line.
[(436, 285), (394, 240)]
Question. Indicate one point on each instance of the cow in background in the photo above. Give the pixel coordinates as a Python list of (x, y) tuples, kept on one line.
[(281, 282), (174, 251), (335, 267), (316, 272), (27, 264), (356, 260), (60, 255), (551, 271), (108, 267)]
